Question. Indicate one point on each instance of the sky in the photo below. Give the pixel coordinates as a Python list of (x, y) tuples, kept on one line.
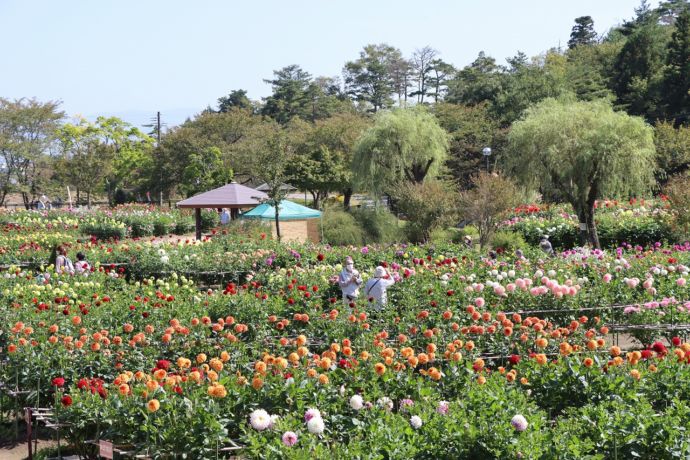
[(131, 58)]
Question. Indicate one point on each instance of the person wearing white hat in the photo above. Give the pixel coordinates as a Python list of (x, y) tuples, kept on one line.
[(376, 287), (349, 280)]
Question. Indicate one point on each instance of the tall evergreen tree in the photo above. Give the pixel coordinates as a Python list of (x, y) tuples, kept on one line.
[(290, 94), (583, 32), (638, 69), (677, 75), (237, 98), (369, 80)]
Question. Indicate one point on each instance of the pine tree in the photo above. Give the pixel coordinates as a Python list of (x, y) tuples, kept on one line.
[(583, 32), (677, 75)]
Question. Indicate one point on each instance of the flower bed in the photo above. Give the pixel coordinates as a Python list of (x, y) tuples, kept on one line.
[(472, 358)]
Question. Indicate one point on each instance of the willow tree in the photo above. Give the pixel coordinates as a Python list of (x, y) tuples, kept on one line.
[(402, 145), (582, 151)]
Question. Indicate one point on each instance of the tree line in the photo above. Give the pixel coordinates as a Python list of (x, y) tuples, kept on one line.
[(338, 134)]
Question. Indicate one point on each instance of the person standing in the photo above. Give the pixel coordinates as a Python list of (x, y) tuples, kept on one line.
[(349, 280), (376, 287), (224, 217)]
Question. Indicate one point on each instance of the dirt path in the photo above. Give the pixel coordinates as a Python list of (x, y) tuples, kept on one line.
[(20, 451)]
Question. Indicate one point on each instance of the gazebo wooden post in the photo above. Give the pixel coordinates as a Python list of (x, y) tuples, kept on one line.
[(234, 213), (197, 218)]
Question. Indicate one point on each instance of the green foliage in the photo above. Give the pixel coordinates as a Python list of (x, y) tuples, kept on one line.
[(369, 79), (209, 219), (426, 207), (614, 229), (403, 144), (638, 69), (677, 71), (470, 129), (27, 131), (678, 192), (508, 241), (672, 149), (323, 160), (582, 151), (236, 99), (104, 228), (340, 228), (378, 225), (583, 32), (484, 204), (205, 171)]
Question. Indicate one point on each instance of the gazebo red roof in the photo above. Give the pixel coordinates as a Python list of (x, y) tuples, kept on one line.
[(232, 195)]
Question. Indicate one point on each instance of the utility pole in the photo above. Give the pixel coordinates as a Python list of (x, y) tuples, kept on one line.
[(158, 131)]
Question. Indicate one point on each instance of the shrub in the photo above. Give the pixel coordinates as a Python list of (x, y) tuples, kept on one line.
[(678, 192), (340, 228), (508, 241), (184, 225), (491, 197), (427, 206), (104, 228), (378, 225), (163, 225), (209, 219)]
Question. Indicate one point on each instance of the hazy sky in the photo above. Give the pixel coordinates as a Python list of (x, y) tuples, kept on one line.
[(131, 58)]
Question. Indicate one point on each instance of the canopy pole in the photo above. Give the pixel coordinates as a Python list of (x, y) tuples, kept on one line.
[(197, 218)]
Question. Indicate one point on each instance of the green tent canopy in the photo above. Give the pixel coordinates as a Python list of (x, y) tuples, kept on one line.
[(288, 211)]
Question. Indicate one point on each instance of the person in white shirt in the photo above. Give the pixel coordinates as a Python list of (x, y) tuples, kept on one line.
[(376, 287), (349, 280), (224, 217)]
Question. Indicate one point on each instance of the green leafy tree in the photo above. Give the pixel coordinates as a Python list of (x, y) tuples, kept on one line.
[(290, 96), (86, 160), (589, 70), (422, 67), (323, 162), (583, 32), (440, 73), (479, 82), (225, 131), (205, 171), (470, 129), (89, 151), (402, 145), (672, 149), (678, 192), (490, 197), (426, 207), (585, 151), (676, 84), (236, 99), (368, 80), (271, 150), (27, 131), (524, 83), (638, 69)]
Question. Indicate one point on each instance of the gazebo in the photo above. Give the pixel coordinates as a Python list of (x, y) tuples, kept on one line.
[(233, 196), (297, 222)]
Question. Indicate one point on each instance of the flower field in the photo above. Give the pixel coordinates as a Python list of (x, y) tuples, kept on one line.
[(471, 358)]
